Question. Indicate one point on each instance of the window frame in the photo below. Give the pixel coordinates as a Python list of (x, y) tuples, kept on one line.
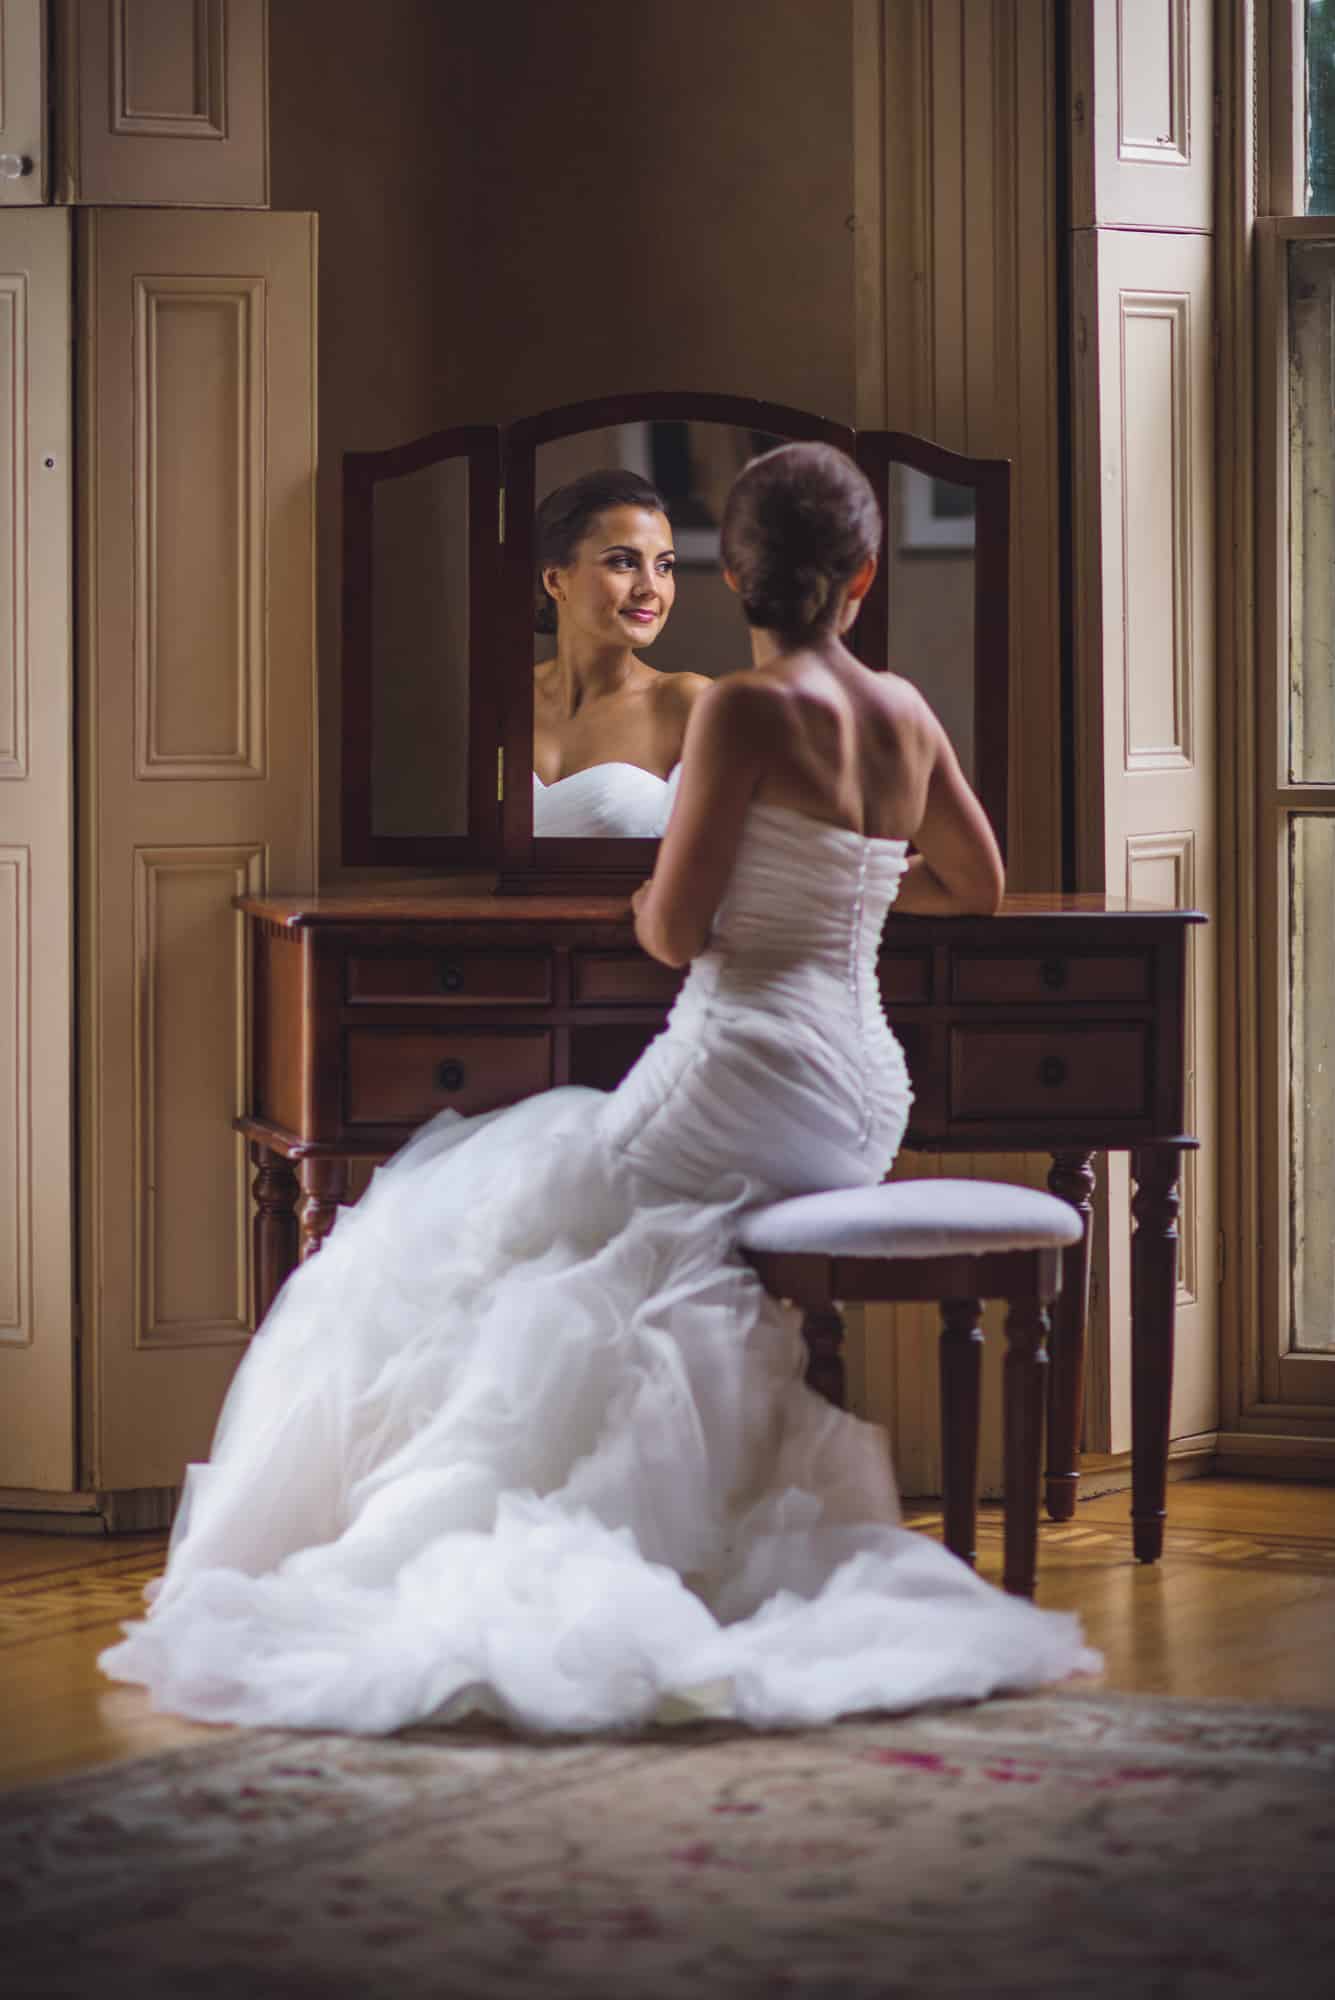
[(1284, 1382)]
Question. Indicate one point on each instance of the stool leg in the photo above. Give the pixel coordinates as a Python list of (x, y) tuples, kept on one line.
[(1024, 1386), (823, 1332), (961, 1356)]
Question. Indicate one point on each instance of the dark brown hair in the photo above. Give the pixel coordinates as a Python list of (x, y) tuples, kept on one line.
[(799, 524), (565, 518)]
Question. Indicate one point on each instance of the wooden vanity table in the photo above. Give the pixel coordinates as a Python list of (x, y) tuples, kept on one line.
[(1056, 1026)]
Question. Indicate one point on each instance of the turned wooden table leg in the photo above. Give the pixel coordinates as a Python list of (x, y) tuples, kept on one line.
[(1023, 1391), (1072, 1177), (961, 1357), (324, 1182), (823, 1332), (1154, 1206), (274, 1228)]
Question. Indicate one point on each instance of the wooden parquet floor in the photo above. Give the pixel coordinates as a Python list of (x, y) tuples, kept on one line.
[(1242, 1607)]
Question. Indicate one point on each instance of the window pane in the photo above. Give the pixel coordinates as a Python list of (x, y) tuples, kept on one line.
[(1311, 1073), (1321, 107), (1311, 284)]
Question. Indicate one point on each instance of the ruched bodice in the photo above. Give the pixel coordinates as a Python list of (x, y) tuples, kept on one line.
[(803, 893), (778, 1061), (528, 1436)]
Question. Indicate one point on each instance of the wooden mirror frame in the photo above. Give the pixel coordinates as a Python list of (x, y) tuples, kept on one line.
[(501, 496), (990, 482), (363, 471)]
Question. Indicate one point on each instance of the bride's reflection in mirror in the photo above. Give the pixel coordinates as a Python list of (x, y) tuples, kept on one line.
[(608, 726)]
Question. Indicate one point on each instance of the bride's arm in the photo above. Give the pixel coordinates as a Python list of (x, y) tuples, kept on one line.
[(958, 870), (738, 728)]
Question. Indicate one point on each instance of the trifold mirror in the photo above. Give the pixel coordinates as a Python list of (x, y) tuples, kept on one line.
[(440, 655)]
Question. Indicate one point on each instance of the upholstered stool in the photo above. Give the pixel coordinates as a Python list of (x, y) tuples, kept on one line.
[(958, 1243)]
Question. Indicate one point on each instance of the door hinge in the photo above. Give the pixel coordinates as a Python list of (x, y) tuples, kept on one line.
[(500, 776), (500, 516)]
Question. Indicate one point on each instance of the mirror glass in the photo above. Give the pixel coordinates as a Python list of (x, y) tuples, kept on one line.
[(692, 465), (419, 652), (930, 591)]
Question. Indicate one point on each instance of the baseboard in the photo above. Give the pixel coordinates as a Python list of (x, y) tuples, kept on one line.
[(140, 1510), (1268, 1455), (1193, 1457), (1110, 1471)]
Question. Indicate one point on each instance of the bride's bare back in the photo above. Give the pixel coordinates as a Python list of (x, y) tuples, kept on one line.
[(816, 731), (810, 728)]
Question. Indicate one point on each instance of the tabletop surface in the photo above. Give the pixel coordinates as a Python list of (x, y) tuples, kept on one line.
[(421, 904)]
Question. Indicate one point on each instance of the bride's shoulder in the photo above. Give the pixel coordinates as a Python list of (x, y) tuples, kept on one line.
[(749, 711), (680, 690), (675, 699)]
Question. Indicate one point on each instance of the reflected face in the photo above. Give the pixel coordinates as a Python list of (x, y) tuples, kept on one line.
[(620, 587)]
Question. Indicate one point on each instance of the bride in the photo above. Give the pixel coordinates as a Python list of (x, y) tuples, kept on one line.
[(527, 1436), (607, 727)]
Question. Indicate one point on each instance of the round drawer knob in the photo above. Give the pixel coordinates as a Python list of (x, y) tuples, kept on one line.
[(13, 166), (450, 1074), (1052, 973), (1052, 1071), (451, 977)]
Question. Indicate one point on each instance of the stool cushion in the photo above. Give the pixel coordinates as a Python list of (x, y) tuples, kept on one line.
[(912, 1219)]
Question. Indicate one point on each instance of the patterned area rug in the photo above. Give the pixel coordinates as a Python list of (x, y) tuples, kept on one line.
[(1107, 1846)]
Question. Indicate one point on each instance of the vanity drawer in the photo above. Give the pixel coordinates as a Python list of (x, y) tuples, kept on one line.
[(393, 1077), (1038, 1073), (444, 978), (904, 977), (985, 977), (624, 979)]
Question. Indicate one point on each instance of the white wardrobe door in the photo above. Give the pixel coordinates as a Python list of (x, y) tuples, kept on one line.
[(36, 856), (197, 737)]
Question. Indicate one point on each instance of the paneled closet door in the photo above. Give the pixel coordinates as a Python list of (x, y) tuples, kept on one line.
[(165, 101), (23, 103), (36, 857), (197, 757), (1142, 371)]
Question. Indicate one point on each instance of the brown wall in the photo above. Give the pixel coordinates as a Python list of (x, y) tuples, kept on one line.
[(666, 200), (371, 126), (525, 204)]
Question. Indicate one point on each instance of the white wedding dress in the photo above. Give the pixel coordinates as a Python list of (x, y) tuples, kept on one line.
[(528, 1437), (616, 801)]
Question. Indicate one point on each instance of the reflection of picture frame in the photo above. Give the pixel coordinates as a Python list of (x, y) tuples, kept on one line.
[(656, 451), (934, 514), (667, 453)]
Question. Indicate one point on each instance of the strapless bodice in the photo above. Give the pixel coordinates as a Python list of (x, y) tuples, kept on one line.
[(806, 893), (777, 1050), (617, 801)]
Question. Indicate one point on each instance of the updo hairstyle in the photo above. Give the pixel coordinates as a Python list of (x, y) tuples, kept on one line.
[(565, 517), (799, 524)]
